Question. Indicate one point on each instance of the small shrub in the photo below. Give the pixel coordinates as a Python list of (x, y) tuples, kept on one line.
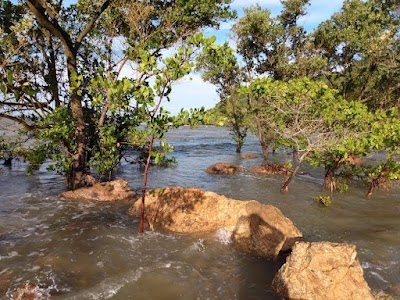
[(324, 200)]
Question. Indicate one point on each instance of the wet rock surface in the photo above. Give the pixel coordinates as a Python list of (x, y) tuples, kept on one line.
[(257, 229), (224, 168), (249, 156), (27, 292), (322, 270), (270, 169), (116, 190)]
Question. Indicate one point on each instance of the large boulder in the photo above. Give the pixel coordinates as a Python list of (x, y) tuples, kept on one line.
[(256, 228), (223, 168), (116, 190), (322, 270)]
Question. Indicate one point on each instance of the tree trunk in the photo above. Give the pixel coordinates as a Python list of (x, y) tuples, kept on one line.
[(144, 186), (53, 80), (264, 147), (329, 179), (80, 175), (295, 155), (285, 185), (238, 147)]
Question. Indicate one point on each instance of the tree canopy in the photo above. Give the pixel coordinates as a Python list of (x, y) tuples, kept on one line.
[(62, 73), (331, 95)]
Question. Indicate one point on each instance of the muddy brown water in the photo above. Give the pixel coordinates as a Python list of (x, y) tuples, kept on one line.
[(88, 250)]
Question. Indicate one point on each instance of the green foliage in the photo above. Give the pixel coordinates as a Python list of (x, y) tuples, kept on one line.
[(294, 114), (277, 46), (220, 67), (4, 146), (36, 156), (342, 187), (381, 175), (216, 115), (324, 200), (56, 141), (105, 159), (150, 96), (361, 43), (102, 108)]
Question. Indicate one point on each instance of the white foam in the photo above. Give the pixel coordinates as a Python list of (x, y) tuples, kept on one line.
[(379, 276), (10, 255), (100, 264), (34, 268), (224, 236), (199, 245)]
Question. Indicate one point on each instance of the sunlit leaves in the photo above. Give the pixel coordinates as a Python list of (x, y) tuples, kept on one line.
[(361, 44)]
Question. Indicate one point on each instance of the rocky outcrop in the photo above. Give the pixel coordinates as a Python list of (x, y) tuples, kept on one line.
[(117, 190), (223, 168), (256, 228), (270, 169), (248, 156), (323, 270)]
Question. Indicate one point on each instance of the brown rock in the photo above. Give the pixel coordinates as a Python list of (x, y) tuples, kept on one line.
[(256, 228), (116, 190), (27, 292), (270, 169), (223, 168), (323, 270), (263, 226), (249, 156)]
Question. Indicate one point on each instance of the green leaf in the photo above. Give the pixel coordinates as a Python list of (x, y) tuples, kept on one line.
[(10, 78)]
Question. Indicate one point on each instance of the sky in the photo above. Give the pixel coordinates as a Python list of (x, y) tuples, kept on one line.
[(193, 92)]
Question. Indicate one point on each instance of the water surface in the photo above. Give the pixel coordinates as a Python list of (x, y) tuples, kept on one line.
[(93, 251)]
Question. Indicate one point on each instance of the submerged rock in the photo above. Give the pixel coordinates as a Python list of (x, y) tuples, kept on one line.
[(116, 190), (223, 168), (270, 169), (249, 156), (27, 292), (322, 270), (256, 228)]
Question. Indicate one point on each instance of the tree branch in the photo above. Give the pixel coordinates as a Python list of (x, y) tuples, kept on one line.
[(90, 25), (52, 25)]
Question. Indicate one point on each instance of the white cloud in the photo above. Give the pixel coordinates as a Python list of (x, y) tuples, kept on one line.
[(191, 92), (226, 25)]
